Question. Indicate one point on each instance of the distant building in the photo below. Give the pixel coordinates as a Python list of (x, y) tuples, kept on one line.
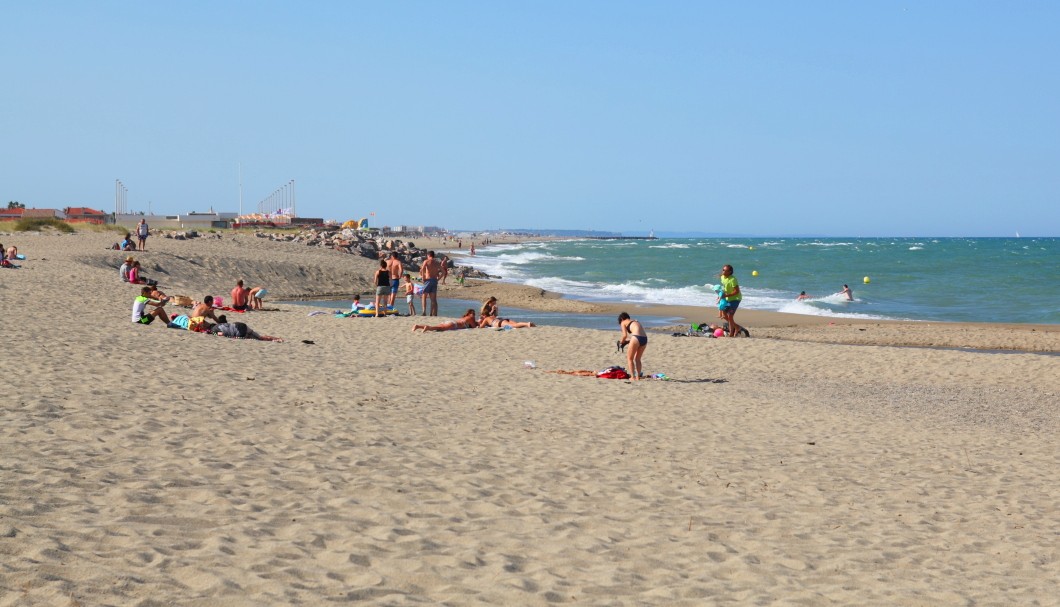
[(16, 214), (190, 221), (84, 215), (41, 214)]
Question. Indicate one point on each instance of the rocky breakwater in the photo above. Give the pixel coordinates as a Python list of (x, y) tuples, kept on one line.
[(355, 242), (306, 264)]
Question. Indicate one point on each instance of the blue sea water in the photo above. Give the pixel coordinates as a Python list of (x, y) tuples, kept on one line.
[(1014, 280)]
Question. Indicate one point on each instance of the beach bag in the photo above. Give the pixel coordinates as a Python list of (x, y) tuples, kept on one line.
[(613, 373)]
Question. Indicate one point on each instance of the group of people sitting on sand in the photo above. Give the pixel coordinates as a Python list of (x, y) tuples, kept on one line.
[(203, 318), (488, 317), (150, 305), (131, 271)]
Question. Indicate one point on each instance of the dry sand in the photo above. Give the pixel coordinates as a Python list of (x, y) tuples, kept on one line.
[(148, 466)]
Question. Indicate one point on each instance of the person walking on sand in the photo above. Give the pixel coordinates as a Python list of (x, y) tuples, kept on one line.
[(430, 272), (393, 265), (730, 293), (635, 340), (142, 231)]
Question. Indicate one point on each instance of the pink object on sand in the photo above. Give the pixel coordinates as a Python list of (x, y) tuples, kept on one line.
[(218, 301), (718, 333)]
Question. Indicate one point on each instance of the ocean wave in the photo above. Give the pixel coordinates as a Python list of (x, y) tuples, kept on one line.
[(808, 309), (916, 248), (672, 245)]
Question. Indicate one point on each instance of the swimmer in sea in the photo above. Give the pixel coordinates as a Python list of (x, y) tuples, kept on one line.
[(636, 339)]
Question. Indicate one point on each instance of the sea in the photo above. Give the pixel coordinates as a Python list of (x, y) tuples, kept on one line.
[(987, 280)]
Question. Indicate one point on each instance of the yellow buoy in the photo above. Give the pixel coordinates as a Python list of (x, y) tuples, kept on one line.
[(754, 273), (750, 248), (866, 280)]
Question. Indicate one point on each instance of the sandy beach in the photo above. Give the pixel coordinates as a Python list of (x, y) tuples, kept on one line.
[(820, 462)]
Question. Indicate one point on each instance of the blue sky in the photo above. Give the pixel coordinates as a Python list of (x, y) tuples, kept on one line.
[(770, 118)]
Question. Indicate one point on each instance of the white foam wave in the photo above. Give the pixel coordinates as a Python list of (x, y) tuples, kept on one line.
[(916, 248), (671, 245), (808, 309)]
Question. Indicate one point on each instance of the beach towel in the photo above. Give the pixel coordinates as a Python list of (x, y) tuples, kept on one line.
[(613, 373)]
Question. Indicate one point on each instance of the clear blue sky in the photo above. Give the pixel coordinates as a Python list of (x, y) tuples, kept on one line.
[(823, 118)]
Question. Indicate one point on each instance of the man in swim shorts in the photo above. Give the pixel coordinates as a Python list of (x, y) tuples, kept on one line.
[(430, 272), (142, 231), (240, 296), (393, 265)]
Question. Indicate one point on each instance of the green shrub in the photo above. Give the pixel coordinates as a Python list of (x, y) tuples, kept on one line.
[(36, 224)]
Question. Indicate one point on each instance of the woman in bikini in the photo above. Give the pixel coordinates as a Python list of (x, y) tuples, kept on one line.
[(489, 307), (634, 337), (467, 321)]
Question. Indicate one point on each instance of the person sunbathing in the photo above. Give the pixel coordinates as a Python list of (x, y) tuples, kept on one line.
[(500, 323), (467, 321)]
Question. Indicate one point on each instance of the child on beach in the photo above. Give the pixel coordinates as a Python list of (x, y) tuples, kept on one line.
[(355, 307), (134, 275), (410, 290)]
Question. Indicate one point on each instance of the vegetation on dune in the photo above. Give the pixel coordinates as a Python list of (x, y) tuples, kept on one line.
[(36, 224)]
